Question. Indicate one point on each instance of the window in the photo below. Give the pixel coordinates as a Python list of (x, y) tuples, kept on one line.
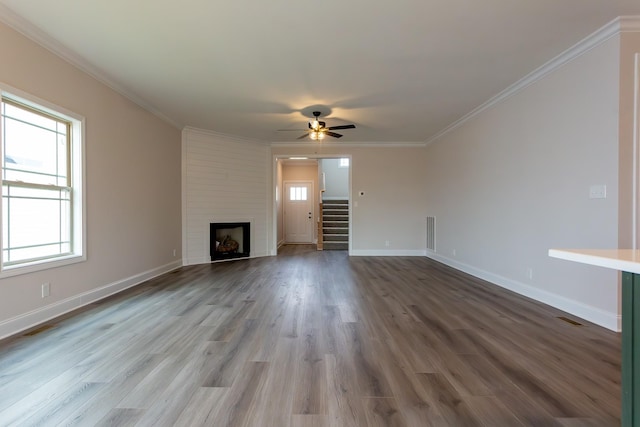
[(42, 215), (344, 162), (298, 193)]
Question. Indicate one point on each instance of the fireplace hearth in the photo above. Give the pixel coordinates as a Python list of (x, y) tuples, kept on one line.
[(229, 240)]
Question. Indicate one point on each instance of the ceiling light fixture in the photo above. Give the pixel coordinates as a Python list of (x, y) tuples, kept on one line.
[(316, 135), (318, 129)]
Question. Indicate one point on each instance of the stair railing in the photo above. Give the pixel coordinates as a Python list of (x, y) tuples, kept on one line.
[(320, 244)]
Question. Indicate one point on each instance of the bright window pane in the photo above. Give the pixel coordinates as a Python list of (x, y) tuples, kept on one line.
[(33, 153), (298, 193), (36, 223), (36, 198), (36, 119)]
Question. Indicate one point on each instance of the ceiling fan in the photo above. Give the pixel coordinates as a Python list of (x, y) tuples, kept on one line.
[(319, 129)]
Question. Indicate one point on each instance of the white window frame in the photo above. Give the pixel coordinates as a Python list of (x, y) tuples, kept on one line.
[(77, 169)]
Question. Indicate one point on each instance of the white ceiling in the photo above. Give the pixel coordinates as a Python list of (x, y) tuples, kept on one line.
[(400, 70)]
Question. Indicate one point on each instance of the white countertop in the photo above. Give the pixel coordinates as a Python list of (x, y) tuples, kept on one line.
[(617, 259)]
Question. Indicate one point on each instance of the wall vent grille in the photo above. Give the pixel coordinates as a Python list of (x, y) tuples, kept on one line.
[(431, 233)]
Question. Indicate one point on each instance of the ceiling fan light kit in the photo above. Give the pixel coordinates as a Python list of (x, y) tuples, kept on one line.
[(316, 125), (318, 129), (317, 135)]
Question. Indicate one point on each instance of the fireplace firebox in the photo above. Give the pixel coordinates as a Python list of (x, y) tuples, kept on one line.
[(229, 240)]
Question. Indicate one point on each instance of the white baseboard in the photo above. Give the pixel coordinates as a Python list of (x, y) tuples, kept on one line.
[(28, 320), (387, 252), (595, 315)]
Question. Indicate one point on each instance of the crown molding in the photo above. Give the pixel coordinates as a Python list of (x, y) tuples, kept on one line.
[(229, 137), (363, 144), (611, 29), (35, 34)]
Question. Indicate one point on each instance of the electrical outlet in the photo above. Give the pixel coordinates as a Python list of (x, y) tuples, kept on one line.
[(174, 252), (453, 252), (46, 290), (530, 273), (387, 243)]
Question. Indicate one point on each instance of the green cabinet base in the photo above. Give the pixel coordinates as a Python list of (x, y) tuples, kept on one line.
[(630, 349)]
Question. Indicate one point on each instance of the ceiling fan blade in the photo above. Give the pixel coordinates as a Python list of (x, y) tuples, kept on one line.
[(342, 127), (333, 134), (303, 136), (290, 130)]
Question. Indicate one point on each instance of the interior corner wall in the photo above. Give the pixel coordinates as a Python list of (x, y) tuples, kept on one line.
[(132, 186), (513, 182), (629, 140), (226, 179)]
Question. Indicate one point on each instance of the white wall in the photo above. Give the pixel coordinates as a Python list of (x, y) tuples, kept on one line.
[(514, 181), (225, 179), (132, 182), (336, 180), (393, 208)]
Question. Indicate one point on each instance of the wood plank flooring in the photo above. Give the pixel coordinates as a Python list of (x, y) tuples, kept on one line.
[(312, 338)]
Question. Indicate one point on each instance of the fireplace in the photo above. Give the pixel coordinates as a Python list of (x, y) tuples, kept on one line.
[(229, 240)]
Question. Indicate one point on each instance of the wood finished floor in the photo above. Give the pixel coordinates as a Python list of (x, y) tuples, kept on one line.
[(313, 339)]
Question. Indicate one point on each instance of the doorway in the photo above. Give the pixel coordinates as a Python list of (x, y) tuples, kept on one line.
[(293, 170)]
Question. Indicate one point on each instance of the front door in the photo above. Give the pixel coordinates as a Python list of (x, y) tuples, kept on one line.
[(298, 212)]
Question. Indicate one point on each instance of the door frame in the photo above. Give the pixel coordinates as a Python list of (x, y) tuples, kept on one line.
[(275, 193)]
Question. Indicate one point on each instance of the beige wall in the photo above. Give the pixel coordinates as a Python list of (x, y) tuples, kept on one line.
[(514, 181), (132, 183)]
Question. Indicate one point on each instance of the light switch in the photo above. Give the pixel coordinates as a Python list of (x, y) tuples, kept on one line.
[(598, 192)]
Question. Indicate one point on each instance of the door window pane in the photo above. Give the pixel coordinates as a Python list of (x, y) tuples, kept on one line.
[(298, 193)]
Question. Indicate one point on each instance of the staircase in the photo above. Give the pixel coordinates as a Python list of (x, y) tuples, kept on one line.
[(335, 225)]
